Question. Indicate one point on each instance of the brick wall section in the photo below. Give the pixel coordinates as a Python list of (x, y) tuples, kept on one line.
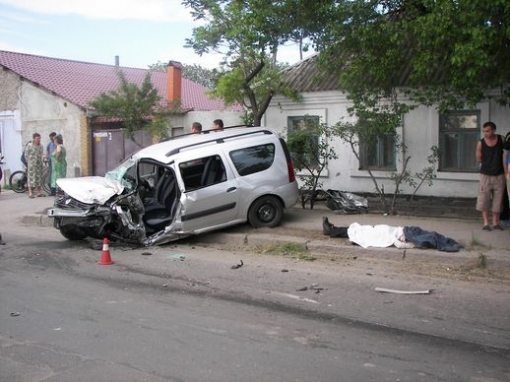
[(85, 147)]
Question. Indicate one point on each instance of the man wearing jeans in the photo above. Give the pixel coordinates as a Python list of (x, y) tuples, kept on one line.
[(489, 153)]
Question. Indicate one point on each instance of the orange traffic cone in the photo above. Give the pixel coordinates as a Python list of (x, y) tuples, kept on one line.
[(105, 254)]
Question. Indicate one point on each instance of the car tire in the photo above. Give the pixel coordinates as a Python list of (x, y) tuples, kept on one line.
[(73, 234), (267, 211)]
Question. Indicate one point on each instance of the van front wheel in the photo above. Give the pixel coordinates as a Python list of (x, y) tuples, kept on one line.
[(266, 211)]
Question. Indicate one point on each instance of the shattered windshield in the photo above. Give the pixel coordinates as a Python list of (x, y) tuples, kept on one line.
[(125, 173)]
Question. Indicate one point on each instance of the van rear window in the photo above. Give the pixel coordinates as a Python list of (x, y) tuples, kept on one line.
[(253, 159)]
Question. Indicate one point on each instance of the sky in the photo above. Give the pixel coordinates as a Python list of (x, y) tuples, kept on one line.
[(139, 32)]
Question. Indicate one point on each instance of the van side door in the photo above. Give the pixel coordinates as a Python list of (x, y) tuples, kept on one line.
[(210, 196)]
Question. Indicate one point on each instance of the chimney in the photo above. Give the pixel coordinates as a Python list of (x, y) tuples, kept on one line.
[(173, 81), (117, 61)]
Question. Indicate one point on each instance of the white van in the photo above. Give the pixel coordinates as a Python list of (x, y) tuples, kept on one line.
[(184, 186)]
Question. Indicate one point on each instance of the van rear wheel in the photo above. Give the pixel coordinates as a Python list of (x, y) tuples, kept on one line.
[(266, 211)]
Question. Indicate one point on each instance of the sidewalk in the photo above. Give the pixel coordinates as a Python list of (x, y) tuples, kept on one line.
[(305, 225)]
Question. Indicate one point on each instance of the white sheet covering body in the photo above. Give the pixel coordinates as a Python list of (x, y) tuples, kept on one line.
[(380, 235)]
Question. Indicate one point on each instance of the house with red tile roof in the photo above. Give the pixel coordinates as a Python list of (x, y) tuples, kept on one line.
[(45, 94)]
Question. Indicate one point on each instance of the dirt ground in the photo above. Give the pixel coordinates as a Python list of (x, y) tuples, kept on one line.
[(473, 265)]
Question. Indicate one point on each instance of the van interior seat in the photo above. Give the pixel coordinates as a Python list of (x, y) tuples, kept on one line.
[(159, 213), (214, 172)]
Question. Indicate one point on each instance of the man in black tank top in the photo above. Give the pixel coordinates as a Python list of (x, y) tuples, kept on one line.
[(489, 153)]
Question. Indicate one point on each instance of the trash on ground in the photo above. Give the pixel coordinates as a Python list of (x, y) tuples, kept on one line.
[(237, 265), (179, 257), (316, 287), (285, 270), (386, 290), (146, 253), (14, 314), (346, 202)]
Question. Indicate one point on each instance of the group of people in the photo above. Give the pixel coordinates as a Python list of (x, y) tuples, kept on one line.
[(492, 152), (196, 127), (34, 158)]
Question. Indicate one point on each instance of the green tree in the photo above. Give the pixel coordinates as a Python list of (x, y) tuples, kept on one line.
[(137, 107), (311, 150), (194, 72), (445, 53), (248, 34)]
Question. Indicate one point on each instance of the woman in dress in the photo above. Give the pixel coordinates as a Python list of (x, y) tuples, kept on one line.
[(34, 154), (58, 161)]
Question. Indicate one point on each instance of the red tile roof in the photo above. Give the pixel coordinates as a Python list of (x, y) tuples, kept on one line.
[(80, 82)]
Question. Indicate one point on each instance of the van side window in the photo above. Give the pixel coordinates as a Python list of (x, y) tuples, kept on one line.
[(202, 172), (253, 159)]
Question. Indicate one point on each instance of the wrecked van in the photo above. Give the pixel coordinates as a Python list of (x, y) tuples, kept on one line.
[(184, 186)]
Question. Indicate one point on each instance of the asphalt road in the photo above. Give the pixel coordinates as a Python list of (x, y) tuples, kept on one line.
[(181, 313)]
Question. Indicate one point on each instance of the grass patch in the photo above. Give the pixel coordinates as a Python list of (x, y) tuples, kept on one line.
[(475, 242), (482, 261), (292, 250)]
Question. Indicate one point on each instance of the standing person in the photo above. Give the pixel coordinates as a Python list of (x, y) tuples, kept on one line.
[(489, 153), (58, 162), (50, 147), (196, 128), (34, 155), (506, 165), (217, 125)]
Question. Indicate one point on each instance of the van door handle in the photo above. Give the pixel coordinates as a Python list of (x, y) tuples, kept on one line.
[(231, 189)]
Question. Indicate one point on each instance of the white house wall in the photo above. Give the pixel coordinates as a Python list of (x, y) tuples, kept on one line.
[(420, 132), (44, 112), (206, 118)]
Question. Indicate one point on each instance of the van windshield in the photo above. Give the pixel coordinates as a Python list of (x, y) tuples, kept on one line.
[(125, 173)]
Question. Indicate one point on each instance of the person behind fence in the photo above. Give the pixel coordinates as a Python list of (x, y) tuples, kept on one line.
[(34, 155), (489, 153), (196, 128), (218, 125), (58, 162), (50, 147)]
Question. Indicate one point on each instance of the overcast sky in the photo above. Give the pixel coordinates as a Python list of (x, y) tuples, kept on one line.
[(140, 32)]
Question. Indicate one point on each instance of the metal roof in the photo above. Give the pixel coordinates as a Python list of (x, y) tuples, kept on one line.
[(80, 82)]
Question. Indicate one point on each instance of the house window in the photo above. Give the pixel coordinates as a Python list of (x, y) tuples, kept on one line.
[(459, 133), (378, 153), (306, 122)]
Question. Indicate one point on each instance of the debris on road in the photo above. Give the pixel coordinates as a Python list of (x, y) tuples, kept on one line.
[(178, 256), (14, 314), (146, 253), (386, 290), (237, 265)]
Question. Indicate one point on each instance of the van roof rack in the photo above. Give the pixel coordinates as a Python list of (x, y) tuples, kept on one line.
[(202, 132), (217, 140)]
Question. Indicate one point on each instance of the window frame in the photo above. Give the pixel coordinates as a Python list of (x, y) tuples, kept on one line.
[(380, 154), (463, 134), (291, 125)]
